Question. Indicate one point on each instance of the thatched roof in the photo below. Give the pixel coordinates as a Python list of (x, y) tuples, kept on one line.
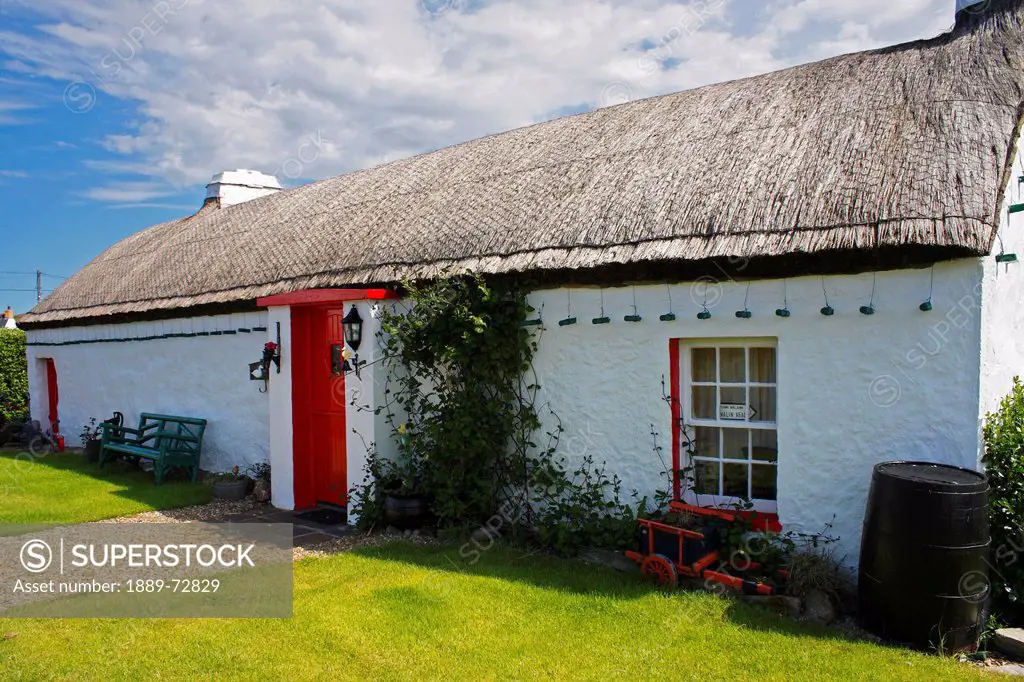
[(906, 146)]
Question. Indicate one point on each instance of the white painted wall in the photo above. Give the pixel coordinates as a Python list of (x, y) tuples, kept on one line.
[(854, 390), (282, 479), (203, 377), (1002, 297), (367, 428)]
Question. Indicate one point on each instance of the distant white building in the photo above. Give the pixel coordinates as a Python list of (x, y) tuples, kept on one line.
[(9, 321), (846, 231)]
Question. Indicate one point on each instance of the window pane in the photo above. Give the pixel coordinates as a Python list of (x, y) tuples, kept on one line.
[(762, 365), (704, 364), (764, 486), (706, 475), (705, 442), (763, 402), (766, 446), (734, 444), (734, 482), (734, 365), (734, 403), (704, 402)]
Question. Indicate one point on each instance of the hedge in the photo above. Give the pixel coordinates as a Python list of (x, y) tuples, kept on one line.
[(1004, 464), (13, 376)]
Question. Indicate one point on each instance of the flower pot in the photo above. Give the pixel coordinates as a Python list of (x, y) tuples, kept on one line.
[(231, 490), (405, 513), (92, 450)]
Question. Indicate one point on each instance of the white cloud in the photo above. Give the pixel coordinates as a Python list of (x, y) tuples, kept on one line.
[(10, 112), (222, 85), (136, 192)]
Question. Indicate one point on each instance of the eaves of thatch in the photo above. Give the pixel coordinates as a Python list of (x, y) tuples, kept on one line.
[(905, 147)]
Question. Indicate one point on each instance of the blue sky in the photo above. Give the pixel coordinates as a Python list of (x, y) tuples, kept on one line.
[(115, 113)]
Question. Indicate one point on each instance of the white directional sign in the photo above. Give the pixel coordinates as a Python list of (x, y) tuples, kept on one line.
[(735, 412)]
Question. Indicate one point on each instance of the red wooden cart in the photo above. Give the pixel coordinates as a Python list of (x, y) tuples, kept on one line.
[(666, 552)]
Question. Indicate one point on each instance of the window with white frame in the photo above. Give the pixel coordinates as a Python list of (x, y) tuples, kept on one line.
[(729, 400)]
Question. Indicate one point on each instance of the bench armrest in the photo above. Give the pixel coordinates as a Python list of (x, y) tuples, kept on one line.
[(113, 432)]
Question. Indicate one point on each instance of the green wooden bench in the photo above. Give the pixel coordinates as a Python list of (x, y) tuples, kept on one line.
[(165, 440)]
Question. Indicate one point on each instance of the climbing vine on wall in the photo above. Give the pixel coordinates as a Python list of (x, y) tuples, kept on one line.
[(462, 405)]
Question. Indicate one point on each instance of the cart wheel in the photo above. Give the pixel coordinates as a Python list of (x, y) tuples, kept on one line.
[(658, 568), (39, 447)]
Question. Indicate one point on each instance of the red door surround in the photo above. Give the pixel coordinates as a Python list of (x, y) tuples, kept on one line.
[(53, 395), (319, 457), (318, 407)]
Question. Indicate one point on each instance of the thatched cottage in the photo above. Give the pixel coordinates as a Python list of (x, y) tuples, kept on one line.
[(818, 264)]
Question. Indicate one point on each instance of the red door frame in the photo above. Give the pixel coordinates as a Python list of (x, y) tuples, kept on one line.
[(53, 394), (304, 306)]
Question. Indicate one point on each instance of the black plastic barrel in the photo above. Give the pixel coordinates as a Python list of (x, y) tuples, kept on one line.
[(924, 555)]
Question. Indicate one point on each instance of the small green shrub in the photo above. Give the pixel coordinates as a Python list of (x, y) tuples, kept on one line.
[(1004, 463), (13, 376)]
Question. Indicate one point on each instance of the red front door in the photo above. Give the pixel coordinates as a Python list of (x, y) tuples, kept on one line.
[(318, 406), (53, 395)]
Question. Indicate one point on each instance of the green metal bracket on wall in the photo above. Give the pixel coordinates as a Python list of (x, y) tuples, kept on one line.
[(1017, 208)]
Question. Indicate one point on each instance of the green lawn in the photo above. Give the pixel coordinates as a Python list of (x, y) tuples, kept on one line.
[(411, 613), (63, 488)]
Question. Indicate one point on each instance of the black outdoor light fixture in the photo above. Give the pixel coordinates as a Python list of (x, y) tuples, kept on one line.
[(353, 327)]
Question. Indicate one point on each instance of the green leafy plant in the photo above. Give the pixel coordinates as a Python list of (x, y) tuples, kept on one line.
[(460, 399), (259, 471), (456, 357), (13, 376), (1004, 463), (90, 432)]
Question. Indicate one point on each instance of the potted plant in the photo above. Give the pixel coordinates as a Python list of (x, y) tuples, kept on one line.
[(260, 475), (230, 485), (270, 354), (91, 436), (405, 505)]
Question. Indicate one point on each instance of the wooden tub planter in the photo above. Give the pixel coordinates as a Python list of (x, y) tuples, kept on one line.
[(666, 552)]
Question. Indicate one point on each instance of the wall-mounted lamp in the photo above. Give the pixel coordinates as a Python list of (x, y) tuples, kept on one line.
[(352, 326)]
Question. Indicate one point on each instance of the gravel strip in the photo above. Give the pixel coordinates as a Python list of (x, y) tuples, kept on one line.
[(217, 511), (211, 512)]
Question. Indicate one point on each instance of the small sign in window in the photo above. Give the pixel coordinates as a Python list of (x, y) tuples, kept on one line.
[(734, 412)]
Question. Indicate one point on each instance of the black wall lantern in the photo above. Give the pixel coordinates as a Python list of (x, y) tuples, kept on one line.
[(352, 324)]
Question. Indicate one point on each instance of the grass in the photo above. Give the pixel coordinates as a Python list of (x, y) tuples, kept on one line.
[(64, 488), (403, 612), (406, 613)]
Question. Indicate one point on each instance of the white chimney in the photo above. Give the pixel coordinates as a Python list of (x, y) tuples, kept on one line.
[(237, 186)]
